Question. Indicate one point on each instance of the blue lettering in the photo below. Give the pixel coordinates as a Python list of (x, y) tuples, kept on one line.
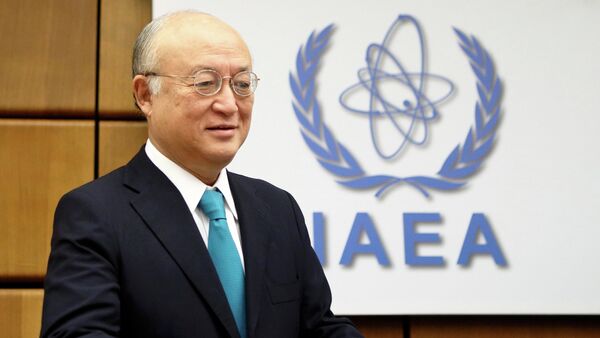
[(480, 224), (364, 224), (319, 236), (412, 238)]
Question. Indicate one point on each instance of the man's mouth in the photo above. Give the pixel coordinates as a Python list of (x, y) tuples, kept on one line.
[(222, 131), (222, 127)]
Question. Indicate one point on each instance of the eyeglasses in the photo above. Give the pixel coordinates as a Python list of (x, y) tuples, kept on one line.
[(208, 82)]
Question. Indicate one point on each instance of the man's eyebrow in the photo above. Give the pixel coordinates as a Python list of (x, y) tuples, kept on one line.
[(201, 67), (198, 68)]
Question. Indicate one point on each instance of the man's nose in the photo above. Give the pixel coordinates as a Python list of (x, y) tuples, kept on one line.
[(225, 99)]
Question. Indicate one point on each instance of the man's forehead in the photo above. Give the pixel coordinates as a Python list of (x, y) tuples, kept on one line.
[(201, 34), (199, 28)]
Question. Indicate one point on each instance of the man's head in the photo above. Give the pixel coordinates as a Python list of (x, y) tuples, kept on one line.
[(200, 133)]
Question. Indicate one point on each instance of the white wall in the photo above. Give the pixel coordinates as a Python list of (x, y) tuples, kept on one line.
[(538, 188)]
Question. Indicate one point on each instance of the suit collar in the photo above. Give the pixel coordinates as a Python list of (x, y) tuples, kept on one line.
[(190, 187), (255, 225)]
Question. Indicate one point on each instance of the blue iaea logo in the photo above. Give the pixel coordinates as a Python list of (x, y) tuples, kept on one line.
[(409, 111), (405, 107)]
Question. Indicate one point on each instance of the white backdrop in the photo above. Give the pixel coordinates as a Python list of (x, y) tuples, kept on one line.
[(538, 187)]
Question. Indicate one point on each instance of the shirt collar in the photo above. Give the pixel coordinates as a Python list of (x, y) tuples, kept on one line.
[(190, 187)]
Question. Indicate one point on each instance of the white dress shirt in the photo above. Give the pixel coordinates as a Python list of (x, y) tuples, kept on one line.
[(191, 189)]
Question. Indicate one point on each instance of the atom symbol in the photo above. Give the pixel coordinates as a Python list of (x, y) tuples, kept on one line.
[(416, 106)]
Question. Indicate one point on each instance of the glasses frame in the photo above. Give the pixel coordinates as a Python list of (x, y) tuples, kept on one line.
[(221, 78)]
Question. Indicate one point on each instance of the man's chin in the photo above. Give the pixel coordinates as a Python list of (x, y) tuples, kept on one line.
[(222, 157)]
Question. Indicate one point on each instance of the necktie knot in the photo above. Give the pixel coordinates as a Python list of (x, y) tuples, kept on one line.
[(212, 204)]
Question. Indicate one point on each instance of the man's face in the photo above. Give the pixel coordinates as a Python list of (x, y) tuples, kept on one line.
[(200, 133)]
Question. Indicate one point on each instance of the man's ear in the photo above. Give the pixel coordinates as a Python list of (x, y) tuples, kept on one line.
[(142, 94)]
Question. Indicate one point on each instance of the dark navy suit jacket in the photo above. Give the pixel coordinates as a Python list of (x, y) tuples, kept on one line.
[(127, 260)]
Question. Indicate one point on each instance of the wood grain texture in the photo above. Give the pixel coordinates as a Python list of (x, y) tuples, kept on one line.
[(41, 160), (20, 312), (121, 22), (119, 141), (379, 326), (48, 57), (505, 327)]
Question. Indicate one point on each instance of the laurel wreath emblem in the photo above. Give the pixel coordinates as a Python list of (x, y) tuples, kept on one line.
[(464, 160)]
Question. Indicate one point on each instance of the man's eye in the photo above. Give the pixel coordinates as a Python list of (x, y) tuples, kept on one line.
[(204, 84), (242, 84)]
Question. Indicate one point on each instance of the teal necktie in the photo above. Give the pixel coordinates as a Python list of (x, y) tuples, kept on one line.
[(225, 256)]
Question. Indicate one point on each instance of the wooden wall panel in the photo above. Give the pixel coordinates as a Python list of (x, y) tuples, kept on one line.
[(121, 22), (379, 326), (20, 313), (48, 58), (119, 141), (506, 327), (41, 160)]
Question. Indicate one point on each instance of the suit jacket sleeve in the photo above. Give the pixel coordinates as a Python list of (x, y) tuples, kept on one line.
[(81, 286), (317, 318)]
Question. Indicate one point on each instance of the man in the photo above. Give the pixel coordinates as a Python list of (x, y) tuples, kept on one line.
[(173, 245)]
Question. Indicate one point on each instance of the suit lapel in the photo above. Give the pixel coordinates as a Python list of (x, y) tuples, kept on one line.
[(163, 209), (254, 228)]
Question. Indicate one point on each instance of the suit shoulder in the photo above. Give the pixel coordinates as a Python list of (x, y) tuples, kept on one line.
[(102, 186), (258, 184)]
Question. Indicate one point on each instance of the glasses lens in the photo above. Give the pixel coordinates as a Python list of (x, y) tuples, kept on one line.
[(207, 82), (244, 83)]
